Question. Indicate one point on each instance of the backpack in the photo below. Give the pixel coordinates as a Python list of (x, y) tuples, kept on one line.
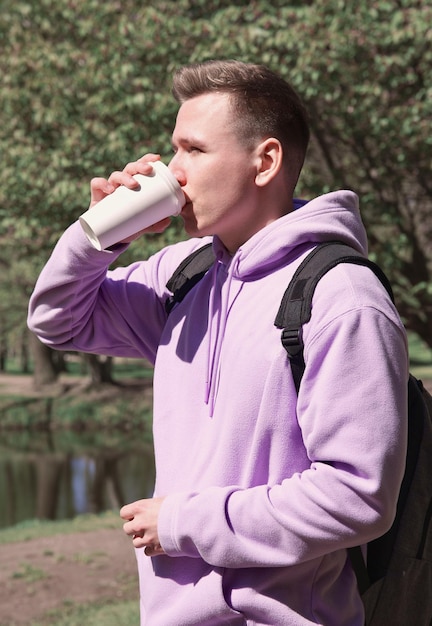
[(396, 582)]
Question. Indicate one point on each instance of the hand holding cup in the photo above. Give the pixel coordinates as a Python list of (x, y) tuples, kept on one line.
[(140, 198)]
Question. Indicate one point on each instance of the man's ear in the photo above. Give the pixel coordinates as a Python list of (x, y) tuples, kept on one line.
[(269, 154)]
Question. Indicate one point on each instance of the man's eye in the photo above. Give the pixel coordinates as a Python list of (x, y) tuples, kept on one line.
[(194, 149)]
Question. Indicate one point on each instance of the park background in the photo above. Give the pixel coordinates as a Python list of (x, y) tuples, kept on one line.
[(85, 88)]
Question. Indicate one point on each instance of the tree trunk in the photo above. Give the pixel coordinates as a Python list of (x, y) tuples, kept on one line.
[(100, 369), (48, 481), (3, 353), (45, 371), (24, 355)]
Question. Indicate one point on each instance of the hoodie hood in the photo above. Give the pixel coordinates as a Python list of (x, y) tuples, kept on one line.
[(333, 216)]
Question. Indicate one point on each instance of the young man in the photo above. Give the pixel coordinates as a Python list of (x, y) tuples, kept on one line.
[(258, 492)]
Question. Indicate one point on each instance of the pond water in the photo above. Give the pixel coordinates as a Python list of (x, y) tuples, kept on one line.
[(58, 476)]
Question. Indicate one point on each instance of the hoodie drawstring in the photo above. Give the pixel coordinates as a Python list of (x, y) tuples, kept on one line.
[(218, 311)]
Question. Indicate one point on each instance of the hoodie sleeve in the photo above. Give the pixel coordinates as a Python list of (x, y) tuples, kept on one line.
[(352, 414), (79, 304)]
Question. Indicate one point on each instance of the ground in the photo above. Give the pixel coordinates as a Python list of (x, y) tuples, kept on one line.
[(49, 573), (23, 386)]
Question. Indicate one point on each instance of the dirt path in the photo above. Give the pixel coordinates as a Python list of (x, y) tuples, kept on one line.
[(40, 575)]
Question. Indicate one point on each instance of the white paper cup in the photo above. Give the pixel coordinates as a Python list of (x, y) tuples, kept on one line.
[(125, 212)]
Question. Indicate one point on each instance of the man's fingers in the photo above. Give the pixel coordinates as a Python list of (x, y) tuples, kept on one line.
[(102, 187), (153, 550)]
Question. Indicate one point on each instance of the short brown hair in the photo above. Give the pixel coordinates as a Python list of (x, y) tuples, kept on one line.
[(265, 104)]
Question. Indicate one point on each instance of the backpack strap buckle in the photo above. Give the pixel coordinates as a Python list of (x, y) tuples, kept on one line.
[(292, 341)]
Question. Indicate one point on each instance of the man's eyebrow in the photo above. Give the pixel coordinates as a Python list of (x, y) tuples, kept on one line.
[(187, 141)]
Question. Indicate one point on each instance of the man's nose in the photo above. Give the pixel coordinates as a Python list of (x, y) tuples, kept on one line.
[(175, 168)]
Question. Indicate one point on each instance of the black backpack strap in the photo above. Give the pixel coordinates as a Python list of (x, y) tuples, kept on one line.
[(296, 305), (295, 310), (359, 566), (189, 272)]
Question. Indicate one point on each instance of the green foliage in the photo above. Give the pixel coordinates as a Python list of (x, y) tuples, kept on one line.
[(86, 88), (125, 412), (77, 101), (371, 123)]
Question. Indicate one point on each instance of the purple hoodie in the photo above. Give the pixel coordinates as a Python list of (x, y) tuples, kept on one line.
[(264, 491)]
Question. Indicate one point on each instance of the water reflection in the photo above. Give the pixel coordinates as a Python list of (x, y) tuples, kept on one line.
[(50, 476)]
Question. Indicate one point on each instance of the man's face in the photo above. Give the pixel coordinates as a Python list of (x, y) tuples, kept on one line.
[(216, 171)]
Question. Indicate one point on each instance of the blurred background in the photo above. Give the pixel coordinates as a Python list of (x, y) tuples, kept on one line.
[(85, 88)]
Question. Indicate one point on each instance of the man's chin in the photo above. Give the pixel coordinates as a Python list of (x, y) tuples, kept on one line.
[(191, 227)]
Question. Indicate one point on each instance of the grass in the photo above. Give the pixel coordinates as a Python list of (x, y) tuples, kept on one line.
[(28, 573), (95, 614), (71, 614), (108, 613), (34, 529)]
